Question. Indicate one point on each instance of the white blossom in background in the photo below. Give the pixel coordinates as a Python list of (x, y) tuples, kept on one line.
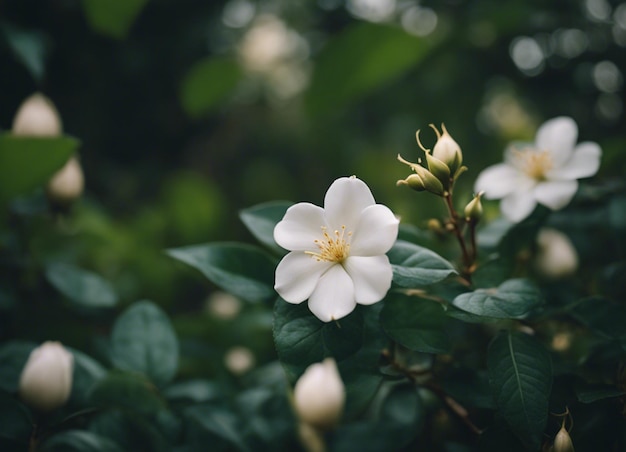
[(46, 380), (68, 183), (37, 116), (239, 360), (319, 395), (556, 256), (337, 256), (544, 172)]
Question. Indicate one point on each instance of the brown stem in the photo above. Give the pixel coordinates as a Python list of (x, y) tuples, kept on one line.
[(455, 407), (467, 259)]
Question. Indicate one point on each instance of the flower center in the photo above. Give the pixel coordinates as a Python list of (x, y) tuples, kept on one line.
[(534, 163), (332, 248)]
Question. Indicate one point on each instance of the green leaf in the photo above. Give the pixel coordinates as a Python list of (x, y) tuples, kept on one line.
[(513, 299), (604, 317), (79, 441), (243, 270), (16, 422), (131, 431), (261, 220), (194, 391), (113, 18), (520, 376), (593, 393), (207, 84), (87, 372), (416, 323), (414, 265), (30, 47), (302, 339), (218, 423), (27, 162), (84, 288), (131, 392), (359, 60), (144, 341), (13, 357)]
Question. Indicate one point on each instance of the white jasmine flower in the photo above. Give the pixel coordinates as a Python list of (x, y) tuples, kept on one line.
[(46, 380), (319, 395), (337, 256), (545, 172)]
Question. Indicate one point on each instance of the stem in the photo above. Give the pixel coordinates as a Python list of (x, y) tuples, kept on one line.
[(455, 407), (467, 259)]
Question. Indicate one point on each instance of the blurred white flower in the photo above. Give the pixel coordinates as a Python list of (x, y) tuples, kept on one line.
[(37, 116), (46, 380), (337, 256), (239, 360), (556, 256), (319, 395), (545, 172), (223, 305), (67, 184)]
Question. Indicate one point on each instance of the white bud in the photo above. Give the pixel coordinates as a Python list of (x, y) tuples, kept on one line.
[(37, 116), (319, 395), (556, 256), (239, 360), (67, 184), (447, 150), (46, 380)]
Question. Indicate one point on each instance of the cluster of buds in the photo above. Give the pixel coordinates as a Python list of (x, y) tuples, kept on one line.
[(443, 165)]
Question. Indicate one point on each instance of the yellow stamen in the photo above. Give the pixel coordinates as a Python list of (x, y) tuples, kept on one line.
[(335, 248), (534, 163)]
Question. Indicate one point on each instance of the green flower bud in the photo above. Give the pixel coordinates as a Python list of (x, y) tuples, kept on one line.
[(439, 169), (447, 150), (474, 209), (422, 179)]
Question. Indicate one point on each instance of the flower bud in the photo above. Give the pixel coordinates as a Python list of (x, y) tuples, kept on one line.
[(563, 442), (46, 380), (422, 179), (67, 184), (447, 150), (556, 256), (439, 169), (319, 395), (37, 116), (239, 360), (474, 209)]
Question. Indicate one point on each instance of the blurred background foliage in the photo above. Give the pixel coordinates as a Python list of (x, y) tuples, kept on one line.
[(189, 111)]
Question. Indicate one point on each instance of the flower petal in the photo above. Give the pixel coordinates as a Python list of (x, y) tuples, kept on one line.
[(300, 226), (497, 181), (371, 276), (585, 162), (375, 233), (518, 205), (558, 136), (555, 194), (297, 275), (333, 297), (345, 200)]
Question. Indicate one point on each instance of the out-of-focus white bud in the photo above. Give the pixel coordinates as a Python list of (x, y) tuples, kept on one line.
[(223, 305), (563, 442), (319, 395), (556, 256), (67, 184), (46, 380), (239, 360), (37, 116)]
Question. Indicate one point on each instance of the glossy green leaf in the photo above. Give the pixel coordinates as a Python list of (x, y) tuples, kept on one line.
[(513, 299), (80, 286), (359, 60), (415, 266), (113, 18), (416, 323), (261, 220), (520, 376), (79, 441), (243, 270), (128, 391), (87, 372), (193, 391), (144, 341), (131, 431), (29, 46), (604, 317), (16, 422), (27, 162), (593, 393), (302, 339), (208, 83)]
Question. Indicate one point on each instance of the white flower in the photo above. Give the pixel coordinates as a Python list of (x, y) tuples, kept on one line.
[(37, 116), (556, 256), (67, 184), (545, 172), (319, 395), (46, 380), (337, 254)]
